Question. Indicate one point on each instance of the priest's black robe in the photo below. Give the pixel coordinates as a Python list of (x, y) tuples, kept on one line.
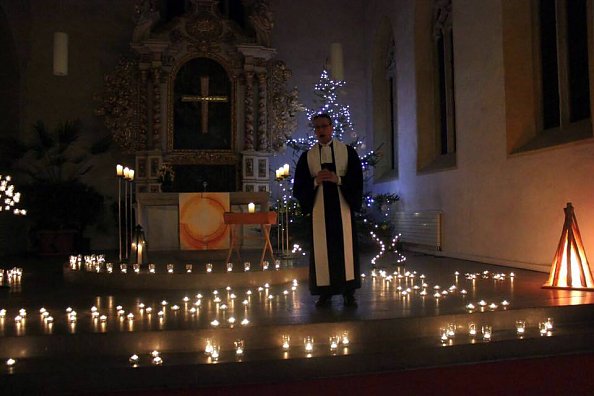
[(334, 258)]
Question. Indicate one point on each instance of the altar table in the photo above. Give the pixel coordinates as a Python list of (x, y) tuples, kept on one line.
[(236, 220)]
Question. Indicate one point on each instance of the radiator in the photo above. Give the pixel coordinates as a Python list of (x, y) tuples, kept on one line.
[(422, 228)]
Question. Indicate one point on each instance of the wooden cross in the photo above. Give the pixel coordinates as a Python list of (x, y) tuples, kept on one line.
[(204, 99)]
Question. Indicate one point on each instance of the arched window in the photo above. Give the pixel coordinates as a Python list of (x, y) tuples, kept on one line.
[(384, 102)]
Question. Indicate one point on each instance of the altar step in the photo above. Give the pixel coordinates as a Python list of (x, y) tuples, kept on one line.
[(100, 362)]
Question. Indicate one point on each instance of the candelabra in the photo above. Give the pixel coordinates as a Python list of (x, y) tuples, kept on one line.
[(120, 175), (282, 175), (127, 174)]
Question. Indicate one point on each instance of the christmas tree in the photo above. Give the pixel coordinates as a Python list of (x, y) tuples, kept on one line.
[(326, 101), (374, 222)]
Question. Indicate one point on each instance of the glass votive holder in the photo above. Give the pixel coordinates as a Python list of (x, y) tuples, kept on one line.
[(443, 334), (216, 350), (109, 267), (472, 329), (208, 346), (542, 328), (451, 330), (229, 267), (189, 268), (151, 268), (334, 341), (170, 268), (286, 342), (487, 332), (277, 264), (239, 347), (344, 338), (308, 343), (209, 267), (549, 324), (520, 327), (136, 268), (246, 266), (124, 268), (265, 265), (134, 359)]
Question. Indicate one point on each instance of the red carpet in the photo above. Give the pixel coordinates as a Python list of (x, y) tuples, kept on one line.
[(558, 375)]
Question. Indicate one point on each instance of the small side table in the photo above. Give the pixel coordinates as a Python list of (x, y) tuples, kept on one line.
[(236, 220)]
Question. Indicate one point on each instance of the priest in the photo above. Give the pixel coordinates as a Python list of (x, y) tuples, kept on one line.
[(329, 187)]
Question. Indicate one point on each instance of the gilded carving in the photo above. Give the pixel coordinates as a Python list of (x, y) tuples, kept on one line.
[(120, 107), (283, 106), (203, 158), (249, 111), (262, 138)]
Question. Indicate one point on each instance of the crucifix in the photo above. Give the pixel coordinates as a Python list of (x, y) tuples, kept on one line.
[(204, 99)]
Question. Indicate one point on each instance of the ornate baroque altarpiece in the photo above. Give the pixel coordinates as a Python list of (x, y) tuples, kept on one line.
[(201, 91)]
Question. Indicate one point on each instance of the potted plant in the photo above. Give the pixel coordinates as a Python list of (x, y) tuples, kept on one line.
[(59, 204)]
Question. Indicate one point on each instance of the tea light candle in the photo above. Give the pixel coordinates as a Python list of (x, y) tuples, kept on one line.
[(549, 324), (188, 268), (170, 268), (286, 170), (151, 268), (345, 338), (134, 359), (443, 334), (246, 266), (451, 330), (487, 332), (209, 267), (10, 362), (472, 329), (229, 267), (286, 341), (157, 360), (251, 207), (309, 343), (208, 347), (334, 340), (520, 327), (216, 349), (239, 345)]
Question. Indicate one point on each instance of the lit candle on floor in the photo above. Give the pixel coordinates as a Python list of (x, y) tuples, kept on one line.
[(520, 327), (286, 342)]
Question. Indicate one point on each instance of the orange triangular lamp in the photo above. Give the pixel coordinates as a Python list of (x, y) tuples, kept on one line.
[(570, 269)]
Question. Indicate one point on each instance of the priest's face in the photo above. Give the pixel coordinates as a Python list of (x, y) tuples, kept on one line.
[(323, 129)]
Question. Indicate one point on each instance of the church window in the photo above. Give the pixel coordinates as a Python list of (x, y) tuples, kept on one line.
[(563, 35), (548, 53), (385, 102), (444, 65)]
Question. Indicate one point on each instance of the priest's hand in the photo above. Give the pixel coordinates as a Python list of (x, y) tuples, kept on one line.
[(326, 175)]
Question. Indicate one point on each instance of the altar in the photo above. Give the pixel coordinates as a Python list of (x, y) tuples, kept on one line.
[(163, 223)]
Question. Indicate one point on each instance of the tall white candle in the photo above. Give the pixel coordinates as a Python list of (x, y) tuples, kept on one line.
[(251, 207), (336, 61)]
